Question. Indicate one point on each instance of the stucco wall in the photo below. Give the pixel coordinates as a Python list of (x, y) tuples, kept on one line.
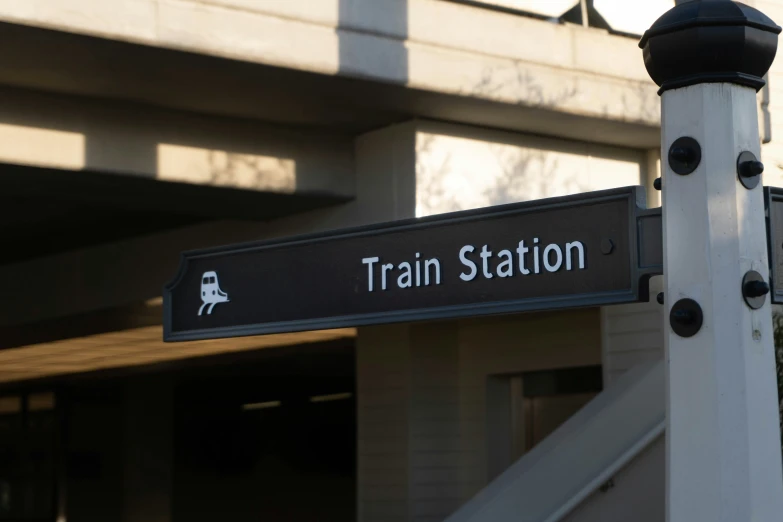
[(423, 405), (459, 168), (632, 334)]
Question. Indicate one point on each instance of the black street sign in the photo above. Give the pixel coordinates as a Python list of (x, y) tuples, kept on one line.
[(592, 249), (774, 203)]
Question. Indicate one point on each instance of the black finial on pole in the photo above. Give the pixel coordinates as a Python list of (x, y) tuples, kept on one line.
[(710, 42)]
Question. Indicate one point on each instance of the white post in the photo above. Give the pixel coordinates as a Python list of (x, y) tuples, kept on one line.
[(723, 440), (722, 434)]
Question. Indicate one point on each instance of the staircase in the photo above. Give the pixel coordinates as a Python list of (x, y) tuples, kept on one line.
[(614, 441)]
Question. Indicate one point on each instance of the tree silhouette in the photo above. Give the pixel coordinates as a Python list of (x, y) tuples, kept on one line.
[(777, 323)]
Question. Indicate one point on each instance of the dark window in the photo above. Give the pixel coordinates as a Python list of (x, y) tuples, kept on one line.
[(549, 398), (563, 382), (27, 458)]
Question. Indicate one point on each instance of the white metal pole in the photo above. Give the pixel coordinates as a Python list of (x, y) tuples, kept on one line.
[(722, 433)]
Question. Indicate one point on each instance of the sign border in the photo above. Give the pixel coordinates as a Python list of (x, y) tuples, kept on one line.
[(635, 195), (772, 194)]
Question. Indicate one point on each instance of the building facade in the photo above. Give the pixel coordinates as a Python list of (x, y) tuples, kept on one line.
[(133, 130)]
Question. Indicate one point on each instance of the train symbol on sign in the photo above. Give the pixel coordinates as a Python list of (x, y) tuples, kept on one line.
[(211, 294)]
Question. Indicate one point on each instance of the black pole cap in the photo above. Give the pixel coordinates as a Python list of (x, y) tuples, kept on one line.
[(710, 42)]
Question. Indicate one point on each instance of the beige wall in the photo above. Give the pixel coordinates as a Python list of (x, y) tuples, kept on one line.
[(459, 168), (771, 99), (423, 405), (632, 334)]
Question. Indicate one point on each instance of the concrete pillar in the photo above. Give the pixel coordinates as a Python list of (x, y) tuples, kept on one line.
[(386, 174), (149, 449), (385, 191), (410, 460), (383, 410)]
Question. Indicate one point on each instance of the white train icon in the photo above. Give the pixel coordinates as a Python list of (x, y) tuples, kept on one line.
[(211, 294)]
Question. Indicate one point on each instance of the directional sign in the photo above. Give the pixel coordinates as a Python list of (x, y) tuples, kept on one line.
[(592, 249), (774, 204)]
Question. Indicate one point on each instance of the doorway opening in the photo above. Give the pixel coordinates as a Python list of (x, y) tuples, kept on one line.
[(524, 409), (542, 401)]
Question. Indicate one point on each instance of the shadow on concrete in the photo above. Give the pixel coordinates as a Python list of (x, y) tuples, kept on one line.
[(372, 35)]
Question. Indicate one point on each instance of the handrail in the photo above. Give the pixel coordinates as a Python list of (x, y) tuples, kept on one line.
[(608, 473)]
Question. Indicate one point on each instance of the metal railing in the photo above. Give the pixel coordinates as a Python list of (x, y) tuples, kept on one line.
[(581, 12)]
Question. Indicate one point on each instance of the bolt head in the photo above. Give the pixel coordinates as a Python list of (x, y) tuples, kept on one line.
[(755, 289), (607, 246), (749, 170), (753, 168), (684, 155), (686, 318)]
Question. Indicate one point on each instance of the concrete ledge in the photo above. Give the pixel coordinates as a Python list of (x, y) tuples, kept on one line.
[(71, 133), (424, 44)]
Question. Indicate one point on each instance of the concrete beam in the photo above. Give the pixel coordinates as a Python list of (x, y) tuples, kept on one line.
[(394, 61), (122, 273), (138, 315), (262, 31), (73, 134)]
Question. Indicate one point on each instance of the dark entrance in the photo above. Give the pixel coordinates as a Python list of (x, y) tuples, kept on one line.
[(261, 435), (275, 441)]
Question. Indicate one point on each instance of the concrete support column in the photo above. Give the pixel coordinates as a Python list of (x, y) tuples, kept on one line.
[(386, 190), (410, 462), (149, 450), (383, 416)]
